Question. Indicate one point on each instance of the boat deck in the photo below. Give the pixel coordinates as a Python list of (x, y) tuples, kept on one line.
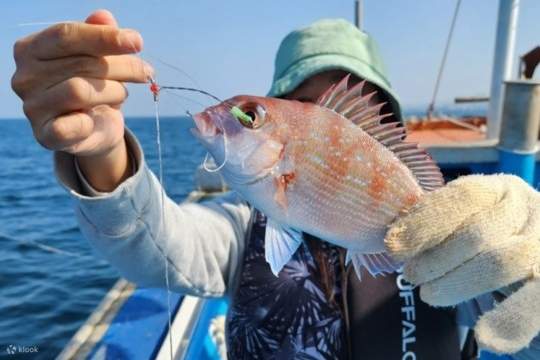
[(446, 130)]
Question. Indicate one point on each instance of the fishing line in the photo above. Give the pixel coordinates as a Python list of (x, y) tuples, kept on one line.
[(205, 163), (40, 23), (52, 249), (184, 98), (235, 111), (155, 90), (193, 90), (47, 248), (225, 150), (431, 106), (162, 195), (175, 68)]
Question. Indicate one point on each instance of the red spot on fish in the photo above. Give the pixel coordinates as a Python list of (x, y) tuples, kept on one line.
[(338, 155), (376, 186), (410, 200), (288, 178), (282, 182)]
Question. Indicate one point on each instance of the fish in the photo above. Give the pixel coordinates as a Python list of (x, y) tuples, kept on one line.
[(332, 169)]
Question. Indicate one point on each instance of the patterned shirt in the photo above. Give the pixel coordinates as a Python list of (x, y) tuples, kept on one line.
[(288, 316)]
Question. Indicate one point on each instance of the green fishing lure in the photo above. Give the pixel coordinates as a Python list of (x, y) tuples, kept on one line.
[(241, 116)]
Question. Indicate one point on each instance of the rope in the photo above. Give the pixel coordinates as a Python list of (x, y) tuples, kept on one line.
[(431, 106)]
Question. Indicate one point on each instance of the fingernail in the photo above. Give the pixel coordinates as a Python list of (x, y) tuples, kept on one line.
[(131, 40)]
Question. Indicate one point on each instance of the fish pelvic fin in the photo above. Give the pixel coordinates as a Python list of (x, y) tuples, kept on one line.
[(350, 103), (280, 244), (375, 264)]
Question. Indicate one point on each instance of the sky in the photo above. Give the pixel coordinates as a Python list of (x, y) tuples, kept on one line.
[(228, 47)]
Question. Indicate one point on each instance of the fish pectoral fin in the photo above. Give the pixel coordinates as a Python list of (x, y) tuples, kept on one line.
[(282, 182), (280, 244), (375, 264)]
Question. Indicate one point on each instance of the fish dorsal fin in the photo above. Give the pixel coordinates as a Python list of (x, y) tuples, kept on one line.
[(351, 104)]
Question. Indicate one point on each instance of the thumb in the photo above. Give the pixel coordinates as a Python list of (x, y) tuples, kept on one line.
[(101, 17), (513, 323)]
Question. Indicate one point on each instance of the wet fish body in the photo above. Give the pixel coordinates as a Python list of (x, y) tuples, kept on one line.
[(330, 169)]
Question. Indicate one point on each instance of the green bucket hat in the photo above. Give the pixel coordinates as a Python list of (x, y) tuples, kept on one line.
[(329, 44)]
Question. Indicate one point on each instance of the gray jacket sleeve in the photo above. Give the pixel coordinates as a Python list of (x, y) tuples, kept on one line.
[(200, 245)]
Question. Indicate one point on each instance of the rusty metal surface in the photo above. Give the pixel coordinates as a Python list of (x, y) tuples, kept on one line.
[(444, 130)]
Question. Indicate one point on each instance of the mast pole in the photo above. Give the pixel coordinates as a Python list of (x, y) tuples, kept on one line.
[(502, 62), (358, 12)]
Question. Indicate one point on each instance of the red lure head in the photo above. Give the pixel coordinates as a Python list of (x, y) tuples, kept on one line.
[(154, 88)]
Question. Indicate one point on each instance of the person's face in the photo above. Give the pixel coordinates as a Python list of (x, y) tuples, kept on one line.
[(315, 86)]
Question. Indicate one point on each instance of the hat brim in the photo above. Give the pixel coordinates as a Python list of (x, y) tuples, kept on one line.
[(308, 67)]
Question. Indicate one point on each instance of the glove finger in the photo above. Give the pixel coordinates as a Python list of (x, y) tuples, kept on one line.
[(511, 261), (438, 214), (513, 323), (478, 233)]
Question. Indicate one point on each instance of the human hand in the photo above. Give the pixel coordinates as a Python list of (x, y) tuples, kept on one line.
[(475, 235), (70, 77)]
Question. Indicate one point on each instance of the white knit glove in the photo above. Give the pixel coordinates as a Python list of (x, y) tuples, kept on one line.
[(475, 235)]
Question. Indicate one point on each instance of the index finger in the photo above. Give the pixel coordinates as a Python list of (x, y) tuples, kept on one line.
[(67, 39)]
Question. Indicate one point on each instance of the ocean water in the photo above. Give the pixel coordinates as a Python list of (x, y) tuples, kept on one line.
[(47, 293)]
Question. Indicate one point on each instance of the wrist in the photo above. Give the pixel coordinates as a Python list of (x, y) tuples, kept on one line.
[(104, 172)]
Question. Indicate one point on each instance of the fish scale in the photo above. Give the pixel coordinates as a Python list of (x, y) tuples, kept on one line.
[(330, 169), (357, 172), (325, 186)]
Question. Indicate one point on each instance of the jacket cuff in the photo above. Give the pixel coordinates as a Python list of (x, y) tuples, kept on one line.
[(114, 212), (89, 190)]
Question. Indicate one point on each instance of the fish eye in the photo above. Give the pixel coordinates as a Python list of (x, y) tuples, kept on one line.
[(256, 113), (251, 115)]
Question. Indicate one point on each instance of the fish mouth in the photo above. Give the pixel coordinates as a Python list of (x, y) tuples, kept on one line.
[(205, 125)]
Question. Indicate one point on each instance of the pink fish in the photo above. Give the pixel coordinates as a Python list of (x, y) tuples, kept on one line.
[(330, 169)]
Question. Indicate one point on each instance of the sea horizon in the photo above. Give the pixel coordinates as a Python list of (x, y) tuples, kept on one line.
[(456, 110)]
